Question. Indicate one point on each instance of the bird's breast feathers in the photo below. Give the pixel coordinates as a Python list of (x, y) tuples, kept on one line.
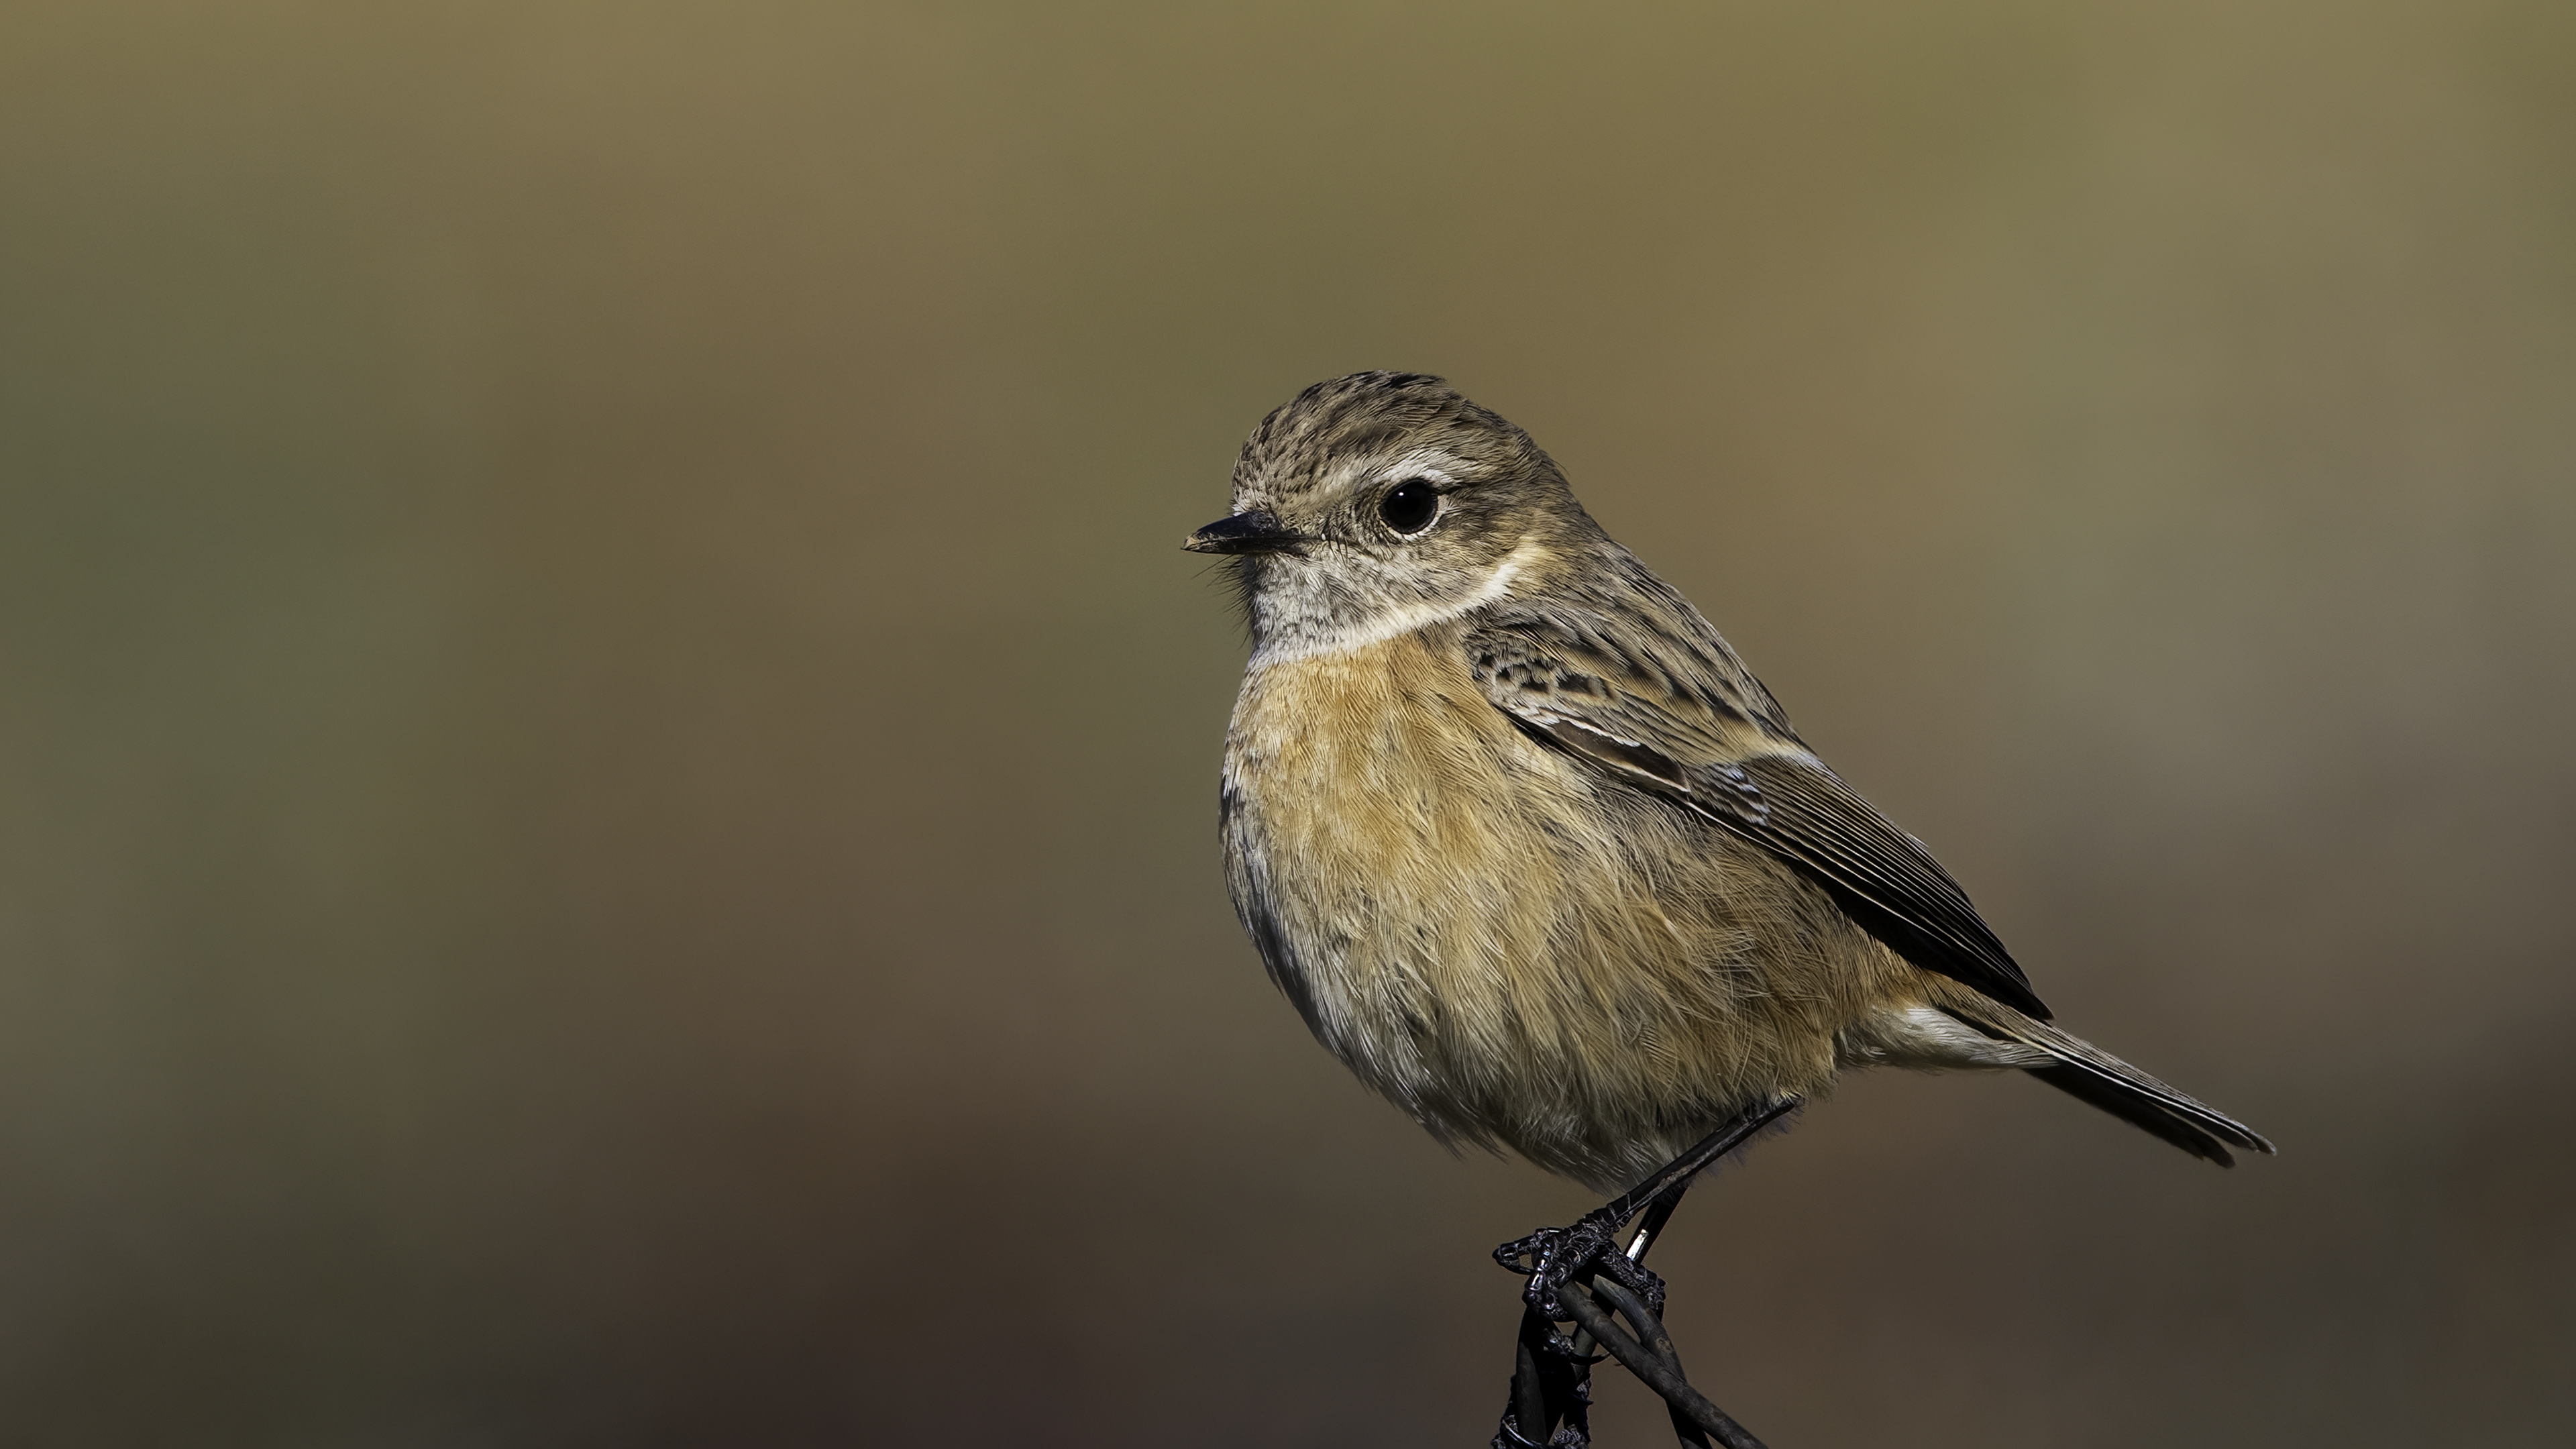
[(1380, 806), (1460, 910)]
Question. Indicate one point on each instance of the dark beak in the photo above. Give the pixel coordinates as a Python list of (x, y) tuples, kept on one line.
[(1245, 533)]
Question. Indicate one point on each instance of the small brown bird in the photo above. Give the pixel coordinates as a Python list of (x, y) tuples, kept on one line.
[(1530, 849)]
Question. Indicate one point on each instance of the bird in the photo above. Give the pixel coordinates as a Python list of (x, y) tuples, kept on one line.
[(1536, 856)]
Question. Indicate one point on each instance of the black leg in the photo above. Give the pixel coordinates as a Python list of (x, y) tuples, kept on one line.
[(1568, 1266), (1555, 1255)]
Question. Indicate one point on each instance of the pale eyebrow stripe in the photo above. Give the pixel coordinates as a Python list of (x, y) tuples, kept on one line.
[(1425, 464)]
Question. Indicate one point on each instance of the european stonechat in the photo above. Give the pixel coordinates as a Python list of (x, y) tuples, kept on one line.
[(1531, 850)]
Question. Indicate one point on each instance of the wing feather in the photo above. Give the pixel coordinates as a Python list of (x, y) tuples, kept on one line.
[(1681, 718)]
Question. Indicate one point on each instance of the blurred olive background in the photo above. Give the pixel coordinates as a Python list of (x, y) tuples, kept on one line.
[(610, 760)]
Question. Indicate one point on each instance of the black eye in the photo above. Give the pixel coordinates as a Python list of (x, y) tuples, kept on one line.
[(1409, 507)]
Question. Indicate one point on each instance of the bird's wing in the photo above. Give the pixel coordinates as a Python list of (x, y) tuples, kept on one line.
[(1677, 715)]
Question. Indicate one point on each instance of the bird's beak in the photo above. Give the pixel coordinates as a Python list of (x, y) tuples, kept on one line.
[(1245, 533)]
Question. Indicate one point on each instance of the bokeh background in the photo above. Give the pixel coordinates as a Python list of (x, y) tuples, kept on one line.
[(607, 758)]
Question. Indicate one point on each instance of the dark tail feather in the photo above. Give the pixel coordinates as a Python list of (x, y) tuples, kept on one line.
[(2141, 1110), (2095, 1077)]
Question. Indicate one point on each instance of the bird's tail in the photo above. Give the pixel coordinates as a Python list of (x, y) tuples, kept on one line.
[(2089, 1074)]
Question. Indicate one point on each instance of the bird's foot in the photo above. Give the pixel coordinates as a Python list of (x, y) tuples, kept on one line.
[(1553, 1257)]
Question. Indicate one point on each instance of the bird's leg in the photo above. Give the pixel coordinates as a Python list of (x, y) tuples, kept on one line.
[(1551, 1380), (1553, 1257), (1556, 1256), (1551, 1405), (1651, 1226)]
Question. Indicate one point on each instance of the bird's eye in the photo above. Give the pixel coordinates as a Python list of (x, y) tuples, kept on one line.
[(1410, 507)]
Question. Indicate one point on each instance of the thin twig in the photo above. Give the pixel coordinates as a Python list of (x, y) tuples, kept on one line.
[(1651, 1359)]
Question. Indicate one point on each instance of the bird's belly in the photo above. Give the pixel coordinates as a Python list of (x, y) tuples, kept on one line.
[(1516, 951)]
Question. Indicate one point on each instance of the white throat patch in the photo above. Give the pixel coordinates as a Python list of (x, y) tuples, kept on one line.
[(1402, 619)]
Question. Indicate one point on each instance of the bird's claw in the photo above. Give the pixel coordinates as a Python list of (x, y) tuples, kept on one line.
[(1553, 1257)]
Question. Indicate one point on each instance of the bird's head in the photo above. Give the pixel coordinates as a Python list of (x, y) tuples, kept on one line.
[(1376, 503)]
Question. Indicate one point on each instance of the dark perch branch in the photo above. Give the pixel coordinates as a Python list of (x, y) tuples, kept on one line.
[(1651, 1358), (1551, 1376), (1550, 1388)]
